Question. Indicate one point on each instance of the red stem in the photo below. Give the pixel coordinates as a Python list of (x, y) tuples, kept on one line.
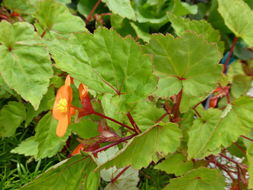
[(239, 147), (162, 117), (247, 138), (92, 11), (238, 178), (113, 120), (131, 119), (113, 144), (119, 174), (229, 55), (177, 106), (43, 34), (229, 159)]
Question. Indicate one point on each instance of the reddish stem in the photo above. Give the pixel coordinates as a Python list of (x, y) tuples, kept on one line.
[(3, 17), (229, 159), (131, 119), (113, 144), (43, 34), (177, 106), (113, 120), (119, 174), (239, 147), (162, 117), (92, 11), (229, 55), (238, 177), (247, 138)]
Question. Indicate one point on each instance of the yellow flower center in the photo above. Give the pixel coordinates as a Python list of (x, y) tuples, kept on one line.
[(62, 105)]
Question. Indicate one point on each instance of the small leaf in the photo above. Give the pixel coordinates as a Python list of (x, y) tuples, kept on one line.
[(48, 143), (28, 147), (72, 174), (151, 145), (11, 116), (128, 180), (198, 179), (55, 17), (240, 86), (46, 104), (175, 164), (85, 128), (215, 132), (121, 7), (242, 25), (24, 63), (181, 8)]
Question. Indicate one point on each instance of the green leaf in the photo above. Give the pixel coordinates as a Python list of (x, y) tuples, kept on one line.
[(28, 147), (185, 63), (216, 130), (175, 164), (85, 128), (46, 104), (202, 27), (85, 6), (120, 63), (250, 162), (21, 6), (198, 179), (71, 174), (150, 145), (241, 85), (128, 180), (11, 116), (48, 143), (54, 17), (242, 25), (70, 56), (181, 8), (146, 114), (24, 63), (121, 7)]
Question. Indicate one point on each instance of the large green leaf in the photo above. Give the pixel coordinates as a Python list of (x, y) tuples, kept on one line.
[(151, 145), (198, 179), (242, 25), (24, 63), (120, 63), (11, 116), (53, 17), (70, 56), (72, 174), (175, 164), (121, 7), (48, 142), (201, 27), (216, 129), (185, 63)]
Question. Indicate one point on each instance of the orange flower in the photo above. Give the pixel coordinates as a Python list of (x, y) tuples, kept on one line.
[(78, 149), (85, 100), (62, 109)]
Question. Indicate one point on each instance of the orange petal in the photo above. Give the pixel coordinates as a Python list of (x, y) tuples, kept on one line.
[(62, 126), (78, 149), (83, 91), (68, 81)]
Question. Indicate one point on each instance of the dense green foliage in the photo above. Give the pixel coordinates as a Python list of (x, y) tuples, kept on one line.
[(157, 94)]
